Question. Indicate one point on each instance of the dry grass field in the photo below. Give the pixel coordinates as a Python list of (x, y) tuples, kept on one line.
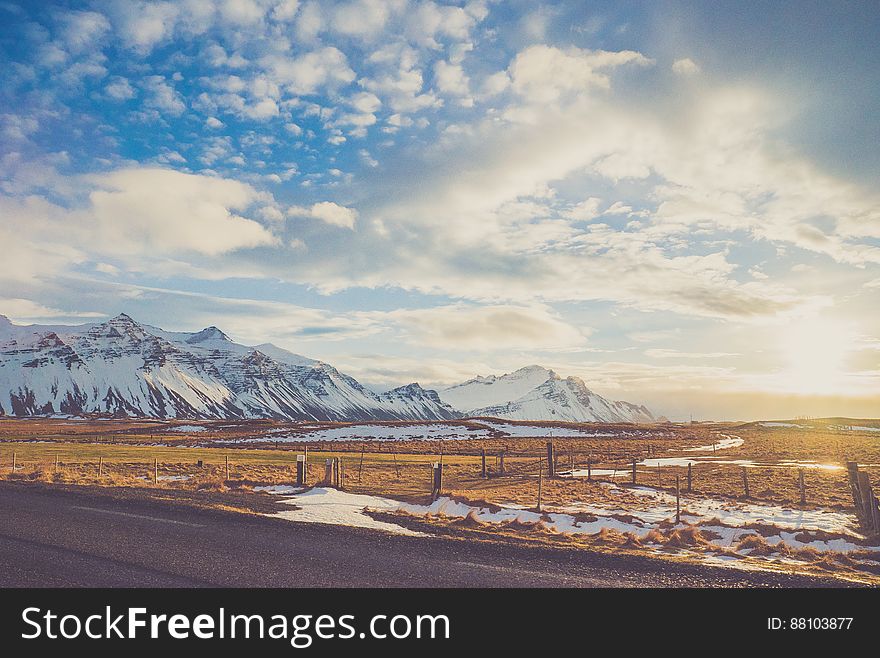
[(773, 455), (192, 456)]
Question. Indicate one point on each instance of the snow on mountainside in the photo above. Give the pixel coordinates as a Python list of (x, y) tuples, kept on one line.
[(126, 368), (537, 393)]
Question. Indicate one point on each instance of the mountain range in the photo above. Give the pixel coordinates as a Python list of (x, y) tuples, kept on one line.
[(125, 368)]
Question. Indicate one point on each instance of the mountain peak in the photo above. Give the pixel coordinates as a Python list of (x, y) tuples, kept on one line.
[(533, 370), (121, 325), (208, 333)]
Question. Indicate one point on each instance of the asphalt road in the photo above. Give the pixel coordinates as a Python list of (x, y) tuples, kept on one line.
[(55, 538)]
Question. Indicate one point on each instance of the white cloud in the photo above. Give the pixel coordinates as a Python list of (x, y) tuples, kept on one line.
[(365, 102), (685, 67), (192, 213), (363, 18), (492, 327), (145, 24), (328, 212), (428, 21), (543, 74), (585, 210), (241, 12), (135, 217), (82, 30), (451, 79), (119, 89), (311, 72), (285, 10), (162, 96), (22, 311)]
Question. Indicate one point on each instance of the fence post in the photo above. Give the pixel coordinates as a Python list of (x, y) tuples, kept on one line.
[(745, 475), (677, 500), (634, 471), (156, 470), (551, 460), (100, 466), (802, 487), (540, 481), (227, 467), (56, 462), (501, 463), (483, 463), (436, 480), (869, 504), (300, 470), (13, 462), (328, 473), (396, 467), (340, 466), (590, 469), (689, 477), (361, 466)]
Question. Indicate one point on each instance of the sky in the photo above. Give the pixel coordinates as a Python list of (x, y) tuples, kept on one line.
[(675, 201)]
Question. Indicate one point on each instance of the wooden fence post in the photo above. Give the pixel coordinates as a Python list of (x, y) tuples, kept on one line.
[(802, 487), (436, 480), (677, 500), (156, 470), (328, 473), (396, 467), (56, 462), (100, 466), (869, 505), (340, 467), (13, 462), (361, 466), (634, 471), (540, 481), (745, 475), (483, 463), (689, 476), (589, 469), (551, 459), (300, 470), (227, 467), (501, 463)]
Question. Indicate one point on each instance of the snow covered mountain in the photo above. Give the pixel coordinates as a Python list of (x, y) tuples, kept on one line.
[(537, 393), (125, 368)]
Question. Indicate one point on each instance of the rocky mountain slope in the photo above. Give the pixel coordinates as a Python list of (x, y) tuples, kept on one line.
[(125, 368)]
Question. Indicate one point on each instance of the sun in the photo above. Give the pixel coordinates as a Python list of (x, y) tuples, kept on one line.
[(816, 351)]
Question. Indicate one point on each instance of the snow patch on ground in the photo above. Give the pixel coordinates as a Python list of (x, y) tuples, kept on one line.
[(188, 428), (532, 431), (331, 506), (278, 489), (725, 442), (386, 433)]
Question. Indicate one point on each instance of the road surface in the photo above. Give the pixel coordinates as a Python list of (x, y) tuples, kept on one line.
[(61, 538)]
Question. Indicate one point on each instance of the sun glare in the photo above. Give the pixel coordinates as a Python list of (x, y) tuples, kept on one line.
[(816, 352)]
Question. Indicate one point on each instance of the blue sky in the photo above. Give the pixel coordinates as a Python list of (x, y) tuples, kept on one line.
[(676, 201)]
